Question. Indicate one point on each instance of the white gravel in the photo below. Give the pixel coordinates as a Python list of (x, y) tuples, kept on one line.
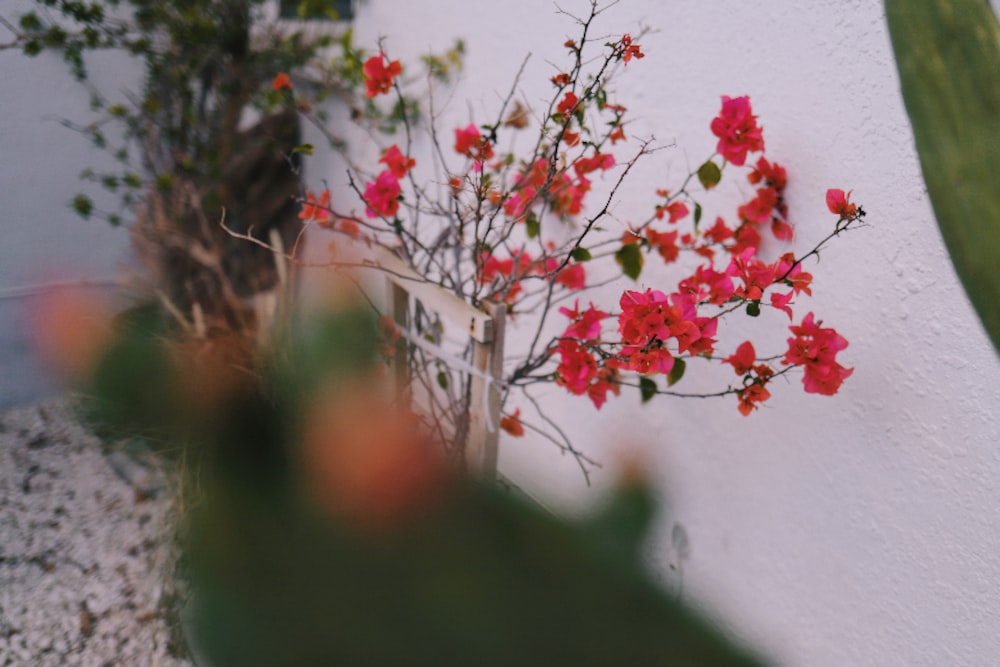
[(86, 547)]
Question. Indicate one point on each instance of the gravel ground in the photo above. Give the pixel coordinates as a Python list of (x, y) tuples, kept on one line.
[(85, 547)]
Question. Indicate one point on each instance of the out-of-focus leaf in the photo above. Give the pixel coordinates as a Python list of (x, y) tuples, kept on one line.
[(948, 55)]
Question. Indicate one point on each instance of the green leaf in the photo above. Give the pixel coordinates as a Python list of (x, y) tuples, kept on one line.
[(581, 255), (948, 56), (304, 149), (629, 257), (753, 308), (532, 226), (697, 215), (647, 387), (677, 372), (83, 206), (442, 379), (164, 182), (709, 174)]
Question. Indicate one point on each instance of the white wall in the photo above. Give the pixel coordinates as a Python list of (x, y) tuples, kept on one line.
[(855, 530), (41, 239)]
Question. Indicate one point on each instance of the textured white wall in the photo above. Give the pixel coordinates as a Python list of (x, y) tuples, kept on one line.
[(861, 529), (856, 530), (43, 240)]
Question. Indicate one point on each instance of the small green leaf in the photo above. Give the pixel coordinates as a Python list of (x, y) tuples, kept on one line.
[(581, 255), (697, 215), (164, 182), (647, 387), (442, 379), (753, 308), (630, 258), (709, 174), (305, 149), (677, 372), (532, 226), (83, 206)]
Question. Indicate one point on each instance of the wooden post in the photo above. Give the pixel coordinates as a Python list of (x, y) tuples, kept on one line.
[(399, 302), (484, 404), (486, 328)]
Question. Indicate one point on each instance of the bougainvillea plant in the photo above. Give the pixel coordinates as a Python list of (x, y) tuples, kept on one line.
[(533, 230)]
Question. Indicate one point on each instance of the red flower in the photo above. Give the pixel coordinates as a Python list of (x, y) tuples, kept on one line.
[(750, 397), (282, 82), (839, 203), (572, 277), (512, 423), (760, 208), (630, 50), (780, 301), (757, 275), (607, 380), (718, 232), (773, 175), (350, 228), (397, 163), (665, 243), (382, 196), (577, 367), (737, 130), (317, 210), (568, 103), (742, 360), (378, 77), (676, 210), (815, 349), (470, 143), (586, 165)]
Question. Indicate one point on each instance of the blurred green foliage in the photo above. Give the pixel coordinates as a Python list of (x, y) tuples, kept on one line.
[(481, 576), (948, 55)]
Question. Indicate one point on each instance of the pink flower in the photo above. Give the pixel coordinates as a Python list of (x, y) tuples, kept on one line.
[(586, 326), (382, 196), (577, 367), (839, 203), (737, 130)]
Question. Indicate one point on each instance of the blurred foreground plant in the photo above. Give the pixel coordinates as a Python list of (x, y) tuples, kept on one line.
[(325, 528), (948, 56)]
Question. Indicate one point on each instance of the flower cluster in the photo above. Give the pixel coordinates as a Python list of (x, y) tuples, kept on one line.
[(518, 230), (815, 349)]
